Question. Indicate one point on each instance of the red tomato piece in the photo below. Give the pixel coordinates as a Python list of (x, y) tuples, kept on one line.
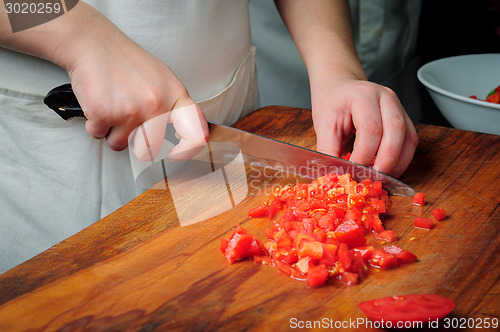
[(422, 222), (383, 260), (304, 264), (402, 255), (330, 256), (377, 225), (313, 249), (374, 189), (240, 245), (365, 252), (388, 236), (258, 211), (345, 257), (285, 268), (283, 240), (408, 308), (350, 233), (265, 260), (378, 204), (316, 276), (494, 98), (419, 199), (287, 256), (350, 278), (439, 214)]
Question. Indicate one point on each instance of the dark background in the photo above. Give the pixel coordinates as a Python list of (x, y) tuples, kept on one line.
[(447, 28)]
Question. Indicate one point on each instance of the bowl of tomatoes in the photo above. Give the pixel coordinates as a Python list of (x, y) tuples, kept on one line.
[(466, 90)]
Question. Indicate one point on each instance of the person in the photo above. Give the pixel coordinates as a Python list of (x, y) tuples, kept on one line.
[(131, 61)]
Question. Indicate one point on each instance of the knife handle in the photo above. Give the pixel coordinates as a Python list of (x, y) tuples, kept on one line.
[(63, 101)]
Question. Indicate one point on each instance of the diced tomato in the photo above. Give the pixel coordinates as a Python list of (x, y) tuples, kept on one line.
[(240, 245), (350, 278), (285, 268), (383, 260), (408, 308), (350, 233), (387, 236), (439, 214), (345, 257), (304, 264), (365, 252), (273, 208), (377, 225), (287, 256), (422, 222), (313, 249), (419, 199), (378, 204), (318, 231), (258, 211), (374, 189), (316, 276), (266, 260), (353, 214), (283, 240), (402, 255), (330, 256)]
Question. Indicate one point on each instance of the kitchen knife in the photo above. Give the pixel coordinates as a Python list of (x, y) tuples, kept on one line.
[(256, 150)]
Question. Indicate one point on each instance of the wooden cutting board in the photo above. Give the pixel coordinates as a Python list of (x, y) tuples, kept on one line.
[(138, 269)]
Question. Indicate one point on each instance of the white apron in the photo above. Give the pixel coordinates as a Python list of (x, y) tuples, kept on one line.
[(55, 179)]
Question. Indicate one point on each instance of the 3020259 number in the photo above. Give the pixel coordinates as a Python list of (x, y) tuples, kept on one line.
[(471, 323), (33, 8)]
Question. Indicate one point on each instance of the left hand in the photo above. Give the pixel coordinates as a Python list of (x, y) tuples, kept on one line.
[(383, 129)]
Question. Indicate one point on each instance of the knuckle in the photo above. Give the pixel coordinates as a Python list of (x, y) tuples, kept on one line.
[(153, 99), (398, 124)]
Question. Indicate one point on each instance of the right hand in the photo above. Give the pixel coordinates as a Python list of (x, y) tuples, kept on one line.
[(120, 86)]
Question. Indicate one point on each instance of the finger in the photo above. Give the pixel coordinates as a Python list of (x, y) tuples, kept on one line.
[(408, 149), (146, 140), (394, 132), (97, 129), (329, 138), (191, 125), (368, 131)]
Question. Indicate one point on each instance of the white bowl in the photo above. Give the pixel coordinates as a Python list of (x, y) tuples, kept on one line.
[(451, 81)]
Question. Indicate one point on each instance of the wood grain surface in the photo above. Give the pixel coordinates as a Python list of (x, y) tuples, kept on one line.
[(138, 269)]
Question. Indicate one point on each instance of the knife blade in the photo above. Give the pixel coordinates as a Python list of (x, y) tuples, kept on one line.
[(256, 150), (266, 152)]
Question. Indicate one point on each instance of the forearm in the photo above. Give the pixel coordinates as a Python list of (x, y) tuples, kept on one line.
[(62, 40), (321, 30)]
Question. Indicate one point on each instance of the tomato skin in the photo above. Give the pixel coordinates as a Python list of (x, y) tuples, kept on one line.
[(419, 199), (258, 211), (425, 223), (439, 214), (408, 308)]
